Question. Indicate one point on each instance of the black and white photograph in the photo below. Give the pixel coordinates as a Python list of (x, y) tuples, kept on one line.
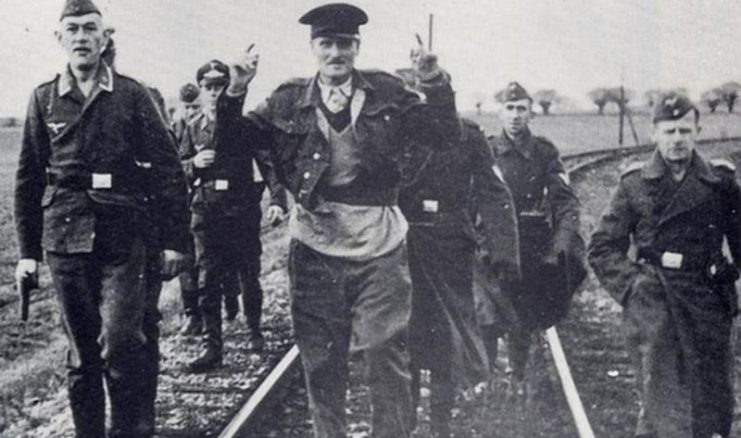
[(370, 219)]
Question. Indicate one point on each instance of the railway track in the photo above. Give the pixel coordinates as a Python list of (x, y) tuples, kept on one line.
[(578, 165), (236, 400)]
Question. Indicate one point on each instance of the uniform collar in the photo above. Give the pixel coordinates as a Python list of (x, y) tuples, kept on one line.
[(656, 168), (103, 79), (325, 90), (521, 145), (314, 94)]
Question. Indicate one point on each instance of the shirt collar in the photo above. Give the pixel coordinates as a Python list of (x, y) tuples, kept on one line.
[(103, 79), (312, 93), (655, 167), (521, 145), (325, 90)]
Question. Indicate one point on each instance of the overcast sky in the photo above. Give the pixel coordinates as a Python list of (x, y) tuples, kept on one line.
[(569, 45)]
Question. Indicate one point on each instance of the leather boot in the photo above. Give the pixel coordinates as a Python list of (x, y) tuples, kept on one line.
[(87, 401), (209, 360), (255, 341)]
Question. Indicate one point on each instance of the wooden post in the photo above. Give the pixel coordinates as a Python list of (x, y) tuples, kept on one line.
[(621, 105), (429, 33)]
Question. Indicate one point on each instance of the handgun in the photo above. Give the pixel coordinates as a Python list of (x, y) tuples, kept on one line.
[(24, 286)]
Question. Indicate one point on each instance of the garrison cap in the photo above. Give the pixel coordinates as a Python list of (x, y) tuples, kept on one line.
[(335, 19), (515, 91), (189, 93), (673, 106), (75, 8), (213, 72)]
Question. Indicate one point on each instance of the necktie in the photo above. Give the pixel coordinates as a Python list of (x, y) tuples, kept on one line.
[(337, 100)]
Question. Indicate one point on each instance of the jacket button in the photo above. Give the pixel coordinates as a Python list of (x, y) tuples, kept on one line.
[(317, 156), (307, 175)]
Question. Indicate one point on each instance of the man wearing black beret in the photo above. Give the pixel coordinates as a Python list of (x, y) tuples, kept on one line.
[(678, 293), (338, 138)]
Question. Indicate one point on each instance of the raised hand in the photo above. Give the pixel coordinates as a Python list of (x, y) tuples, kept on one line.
[(424, 63), (244, 71)]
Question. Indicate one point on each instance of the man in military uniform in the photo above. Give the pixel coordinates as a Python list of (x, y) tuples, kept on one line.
[(95, 154), (678, 293), (190, 103), (551, 248), (226, 215), (440, 185), (339, 137)]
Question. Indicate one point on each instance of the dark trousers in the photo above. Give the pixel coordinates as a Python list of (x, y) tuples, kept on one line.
[(104, 301), (223, 246), (341, 307), (189, 282), (679, 332)]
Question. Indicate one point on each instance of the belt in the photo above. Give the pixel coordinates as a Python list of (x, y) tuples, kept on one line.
[(678, 261), (83, 181)]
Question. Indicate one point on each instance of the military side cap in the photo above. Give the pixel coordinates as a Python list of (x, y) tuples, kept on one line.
[(75, 8), (213, 72), (335, 20), (515, 91), (188, 93), (672, 106)]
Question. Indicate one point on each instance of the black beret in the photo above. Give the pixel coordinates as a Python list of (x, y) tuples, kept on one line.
[(335, 19), (515, 91), (673, 106), (75, 8), (213, 71), (189, 93)]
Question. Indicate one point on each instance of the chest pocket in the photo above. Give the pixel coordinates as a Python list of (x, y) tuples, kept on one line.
[(380, 126), (289, 135)]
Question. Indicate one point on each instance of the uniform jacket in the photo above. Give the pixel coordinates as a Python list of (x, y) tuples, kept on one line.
[(386, 116), (441, 183), (439, 186), (536, 177), (93, 169), (551, 247), (237, 193), (691, 221)]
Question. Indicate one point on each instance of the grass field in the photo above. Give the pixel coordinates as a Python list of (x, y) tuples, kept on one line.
[(582, 132)]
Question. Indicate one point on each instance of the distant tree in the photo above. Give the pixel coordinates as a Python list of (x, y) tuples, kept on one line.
[(712, 98), (546, 98), (600, 97), (652, 96), (614, 95), (730, 92), (478, 100)]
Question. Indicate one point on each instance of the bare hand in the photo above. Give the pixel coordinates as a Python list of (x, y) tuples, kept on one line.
[(424, 63), (274, 215), (244, 71), (172, 264), (26, 268), (204, 159)]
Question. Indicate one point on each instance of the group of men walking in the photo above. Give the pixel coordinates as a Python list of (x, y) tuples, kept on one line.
[(414, 242)]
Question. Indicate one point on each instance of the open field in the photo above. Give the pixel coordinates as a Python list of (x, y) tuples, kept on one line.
[(583, 132)]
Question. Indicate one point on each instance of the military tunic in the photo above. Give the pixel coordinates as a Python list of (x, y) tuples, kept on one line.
[(98, 185), (226, 214), (678, 297), (547, 211), (439, 187)]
